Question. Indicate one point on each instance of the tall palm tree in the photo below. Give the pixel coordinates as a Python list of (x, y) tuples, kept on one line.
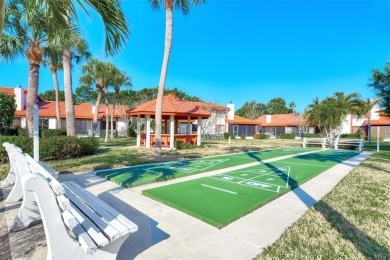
[(367, 107), (63, 13), (119, 79), (54, 61), (54, 53), (25, 30), (182, 5)]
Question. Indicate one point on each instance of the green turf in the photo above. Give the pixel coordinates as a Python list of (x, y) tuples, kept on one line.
[(137, 175), (223, 198)]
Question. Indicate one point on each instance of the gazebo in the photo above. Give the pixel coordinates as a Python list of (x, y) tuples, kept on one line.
[(175, 110)]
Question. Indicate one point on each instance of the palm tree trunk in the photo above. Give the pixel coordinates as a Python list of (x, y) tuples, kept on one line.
[(2, 11), (34, 56), (112, 117), (163, 75), (96, 113), (56, 89), (107, 113), (69, 106)]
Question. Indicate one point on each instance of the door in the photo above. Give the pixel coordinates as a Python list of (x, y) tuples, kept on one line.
[(235, 130)]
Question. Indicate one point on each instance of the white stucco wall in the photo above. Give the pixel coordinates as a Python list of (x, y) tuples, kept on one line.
[(52, 123)]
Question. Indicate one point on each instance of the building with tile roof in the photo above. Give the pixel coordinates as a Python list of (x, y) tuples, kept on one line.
[(84, 113)]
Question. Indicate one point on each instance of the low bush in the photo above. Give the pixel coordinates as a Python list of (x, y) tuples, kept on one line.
[(55, 147), (53, 132), (180, 145), (226, 135), (243, 137), (287, 136), (310, 135), (260, 136)]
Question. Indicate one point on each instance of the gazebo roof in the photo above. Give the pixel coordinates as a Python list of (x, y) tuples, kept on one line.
[(171, 106)]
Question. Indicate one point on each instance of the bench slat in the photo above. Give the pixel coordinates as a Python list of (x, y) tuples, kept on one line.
[(88, 226), (84, 239), (107, 229), (87, 198), (101, 206)]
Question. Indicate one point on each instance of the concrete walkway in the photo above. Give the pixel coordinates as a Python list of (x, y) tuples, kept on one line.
[(167, 233)]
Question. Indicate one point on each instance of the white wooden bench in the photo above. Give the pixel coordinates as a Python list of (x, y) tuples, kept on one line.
[(77, 224), (20, 165), (314, 140), (349, 142)]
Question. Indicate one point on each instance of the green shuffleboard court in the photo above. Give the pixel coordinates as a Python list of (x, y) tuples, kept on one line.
[(141, 174), (222, 198)]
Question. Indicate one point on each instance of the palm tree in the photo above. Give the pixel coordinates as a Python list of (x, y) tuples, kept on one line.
[(182, 5), (2, 11), (25, 30), (103, 75), (119, 79), (368, 106), (61, 14), (53, 55)]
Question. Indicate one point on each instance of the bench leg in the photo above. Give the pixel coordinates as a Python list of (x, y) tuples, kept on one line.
[(20, 169)]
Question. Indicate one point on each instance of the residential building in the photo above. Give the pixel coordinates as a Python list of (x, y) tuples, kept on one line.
[(277, 124), (84, 113)]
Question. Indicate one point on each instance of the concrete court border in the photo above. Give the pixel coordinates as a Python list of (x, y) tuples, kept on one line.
[(167, 233)]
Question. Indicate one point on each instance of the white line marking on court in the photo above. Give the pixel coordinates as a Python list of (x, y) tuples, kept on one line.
[(307, 164), (215, 188)]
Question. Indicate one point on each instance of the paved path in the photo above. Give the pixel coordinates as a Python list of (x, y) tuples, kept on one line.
[(167, 233)]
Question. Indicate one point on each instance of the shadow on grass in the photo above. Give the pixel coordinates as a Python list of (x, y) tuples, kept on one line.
[(361, 241)]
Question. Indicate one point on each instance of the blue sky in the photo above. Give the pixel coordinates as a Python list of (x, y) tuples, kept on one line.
[(243, 50)]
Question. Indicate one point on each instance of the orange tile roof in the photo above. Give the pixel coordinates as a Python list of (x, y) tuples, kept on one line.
[(281, 120), (206, 105), (383, 120), (9, 91), (171, 106), (241, 121), (82, 111)]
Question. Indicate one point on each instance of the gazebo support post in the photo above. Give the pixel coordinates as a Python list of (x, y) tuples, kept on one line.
[(199, 141), (189, 125), (138, 131), (147, 131), (172, 132)]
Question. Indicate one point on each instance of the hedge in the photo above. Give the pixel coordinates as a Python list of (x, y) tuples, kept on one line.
[(55, 147), (350, 136), (260, 136), (287, 136), (310, 135), (53, 132)]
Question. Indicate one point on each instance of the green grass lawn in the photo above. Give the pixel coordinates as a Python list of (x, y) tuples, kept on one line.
[(137, 175), (223, 198), (351, 222)]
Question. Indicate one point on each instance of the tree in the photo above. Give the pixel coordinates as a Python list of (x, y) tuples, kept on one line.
[(25, 30), (119, 79), (182, 5), (252, 110), (381, 85), (329, 114), (102, 75), (277, 106), (367, 107), (7, 112), (50, 95), (292, 106)]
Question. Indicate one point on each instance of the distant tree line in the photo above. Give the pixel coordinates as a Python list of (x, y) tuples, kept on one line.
[(253, 109)]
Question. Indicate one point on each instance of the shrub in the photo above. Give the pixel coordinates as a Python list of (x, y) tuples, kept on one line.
[(362, 134), (226, 135), (180, 145), (310, 135), (260, 136), (22, 131), (7, 112), (102, 134), (55, 147), (11, 132), (350, 136), (24, 143), (53, 132), (243, 137), (287, 136)]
